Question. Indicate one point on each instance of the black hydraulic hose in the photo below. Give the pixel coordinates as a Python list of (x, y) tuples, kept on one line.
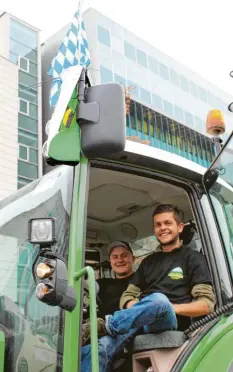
[(228, 308)]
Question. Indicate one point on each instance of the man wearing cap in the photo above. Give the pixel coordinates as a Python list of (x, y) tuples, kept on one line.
[(110, 290)]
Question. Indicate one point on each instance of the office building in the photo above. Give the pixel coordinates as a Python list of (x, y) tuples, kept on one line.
[(169, 101), (20, 104)]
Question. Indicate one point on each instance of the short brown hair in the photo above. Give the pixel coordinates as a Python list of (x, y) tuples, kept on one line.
[(163, 208)]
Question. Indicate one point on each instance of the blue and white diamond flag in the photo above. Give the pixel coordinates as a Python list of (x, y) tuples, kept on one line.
[(72, 52)]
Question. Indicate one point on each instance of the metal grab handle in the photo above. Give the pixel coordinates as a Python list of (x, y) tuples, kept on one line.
[(93, 314), (2, 350)]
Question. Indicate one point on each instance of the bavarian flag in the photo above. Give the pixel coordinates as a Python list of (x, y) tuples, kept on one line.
[(63, 144)]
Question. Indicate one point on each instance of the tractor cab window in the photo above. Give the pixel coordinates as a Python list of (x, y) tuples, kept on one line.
[(120, 207)]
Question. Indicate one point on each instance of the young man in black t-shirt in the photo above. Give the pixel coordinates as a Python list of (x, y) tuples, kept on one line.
[(178, 272), (169, 287)]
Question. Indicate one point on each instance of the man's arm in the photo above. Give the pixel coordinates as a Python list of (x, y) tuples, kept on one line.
[(203, 305), (130, 296)]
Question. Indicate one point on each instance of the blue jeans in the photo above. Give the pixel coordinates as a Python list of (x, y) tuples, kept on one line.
[(152, 314)]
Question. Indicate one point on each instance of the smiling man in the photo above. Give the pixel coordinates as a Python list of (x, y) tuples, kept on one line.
[(110, 290), (169, 287)]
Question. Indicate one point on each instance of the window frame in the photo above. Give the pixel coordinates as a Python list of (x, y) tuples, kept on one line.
[(28, 63), (27, 102)]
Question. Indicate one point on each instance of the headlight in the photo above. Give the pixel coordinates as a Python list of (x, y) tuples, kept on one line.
[(42, 231), (45, 270)]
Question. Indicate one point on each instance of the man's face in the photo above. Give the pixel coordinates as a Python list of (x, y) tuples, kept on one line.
[(166, 228), (121, 260)]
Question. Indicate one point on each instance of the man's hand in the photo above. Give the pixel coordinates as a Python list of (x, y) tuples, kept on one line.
[(130, 304), (193, 309)]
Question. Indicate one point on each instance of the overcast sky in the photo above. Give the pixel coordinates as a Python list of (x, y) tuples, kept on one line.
[(197, 33)]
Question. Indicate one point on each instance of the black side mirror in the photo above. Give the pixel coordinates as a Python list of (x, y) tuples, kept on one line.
[(102, 120)]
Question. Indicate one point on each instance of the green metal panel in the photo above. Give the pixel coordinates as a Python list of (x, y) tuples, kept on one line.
[(93, 315), (2, 351), (220, 357), (213, 340), (76, 262)]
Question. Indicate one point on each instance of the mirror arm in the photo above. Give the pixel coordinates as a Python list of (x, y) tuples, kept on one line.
[(88, 112)]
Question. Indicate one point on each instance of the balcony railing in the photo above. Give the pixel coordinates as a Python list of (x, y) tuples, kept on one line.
[(167, 134)]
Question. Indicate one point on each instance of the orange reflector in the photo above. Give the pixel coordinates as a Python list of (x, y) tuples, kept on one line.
[(215, 124), (41, 290)]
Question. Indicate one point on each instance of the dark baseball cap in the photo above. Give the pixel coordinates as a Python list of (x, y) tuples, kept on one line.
[(118, 243)]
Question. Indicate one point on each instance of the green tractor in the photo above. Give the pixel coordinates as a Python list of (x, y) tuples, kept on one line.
[(54, 234)]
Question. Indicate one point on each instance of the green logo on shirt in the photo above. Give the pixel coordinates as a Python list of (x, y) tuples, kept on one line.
[(176, 273)]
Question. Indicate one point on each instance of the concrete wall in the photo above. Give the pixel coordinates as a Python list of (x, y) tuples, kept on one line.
[(8, 127)]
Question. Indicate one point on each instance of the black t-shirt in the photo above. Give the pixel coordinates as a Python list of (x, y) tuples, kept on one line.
[(111, 291), (174, 274)]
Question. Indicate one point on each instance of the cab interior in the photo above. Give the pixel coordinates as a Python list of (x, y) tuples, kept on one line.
[(120, 207)]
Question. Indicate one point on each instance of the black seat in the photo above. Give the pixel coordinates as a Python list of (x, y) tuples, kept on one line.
[(163, 340), (188, 232)]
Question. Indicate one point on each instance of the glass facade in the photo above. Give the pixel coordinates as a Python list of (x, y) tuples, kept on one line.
[(24, 53), (159, 103), (170, 102), (169, 135), (157, 67)]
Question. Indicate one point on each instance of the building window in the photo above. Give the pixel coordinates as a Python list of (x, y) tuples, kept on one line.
[(130, 51), (184, 83), (188, 118), (153, 65), (24, 64), (28, 94), (163, 70), (27, 170), (28, 139), (27, 123), (104, 36), (23, 152), (24, 106), (193, 89), (168, 108), (141, 57), (106, 75), (22, 50), (33, 68), (174, 77), (23, 34), (119, 79), (33, 112), (27, 80), (23, 182), (134, 92), (203, 94), (145, 95), (33, 156), (13, 58), (214, 101), (198, 124), (157, 102), (179, 113)]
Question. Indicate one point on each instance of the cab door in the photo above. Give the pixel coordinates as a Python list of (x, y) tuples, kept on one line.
[(218, 184)]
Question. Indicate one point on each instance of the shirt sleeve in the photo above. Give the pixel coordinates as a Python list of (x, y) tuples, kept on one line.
[(197, 269), (138, 279)]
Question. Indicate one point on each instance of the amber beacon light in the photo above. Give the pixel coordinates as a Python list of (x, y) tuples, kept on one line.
[(215, 124)]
